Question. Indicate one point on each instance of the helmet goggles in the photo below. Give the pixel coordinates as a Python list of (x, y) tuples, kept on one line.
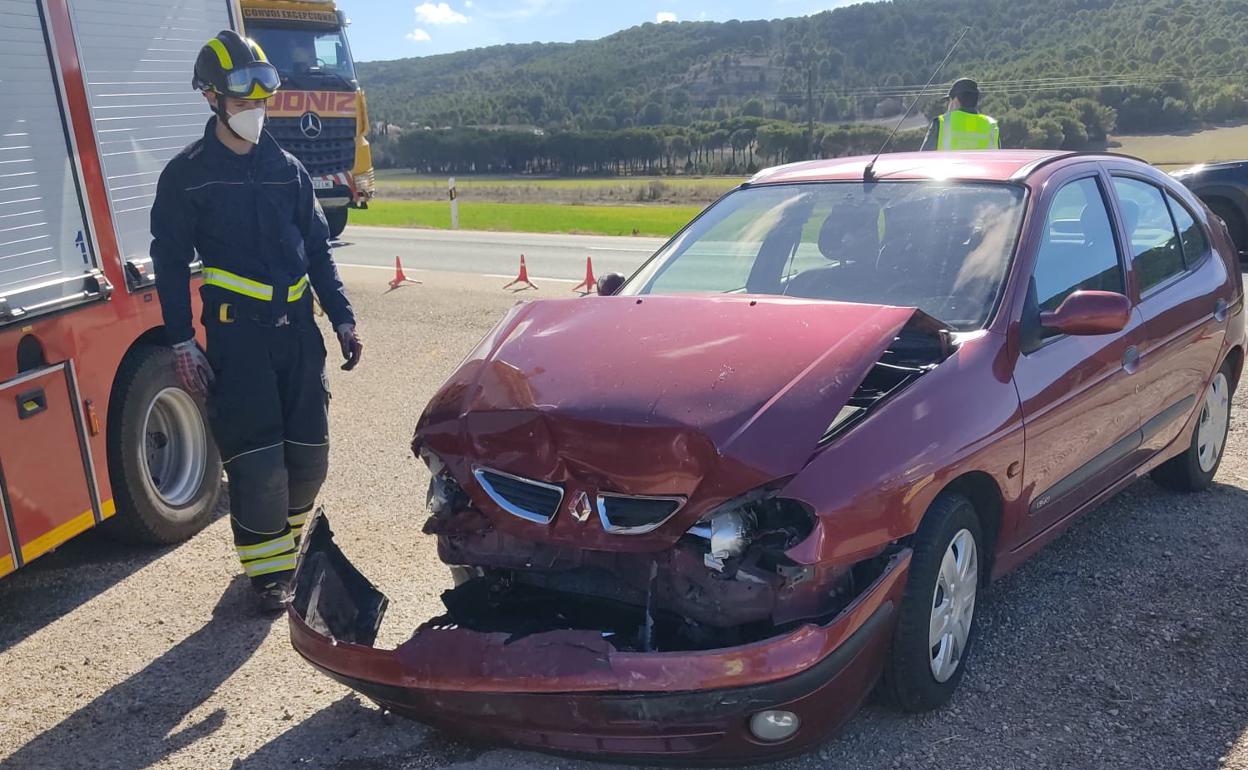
[(258, 80)]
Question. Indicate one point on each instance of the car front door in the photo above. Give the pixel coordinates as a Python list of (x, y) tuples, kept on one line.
[(1081, 423), (1184, 296)]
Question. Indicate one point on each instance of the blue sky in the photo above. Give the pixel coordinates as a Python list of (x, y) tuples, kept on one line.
[(394, 29)]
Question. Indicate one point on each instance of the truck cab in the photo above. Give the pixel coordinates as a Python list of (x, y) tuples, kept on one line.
[(319, 115)]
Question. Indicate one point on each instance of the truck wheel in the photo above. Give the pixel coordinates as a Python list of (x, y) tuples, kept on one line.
[(1234, 223), (164, 465), (337, 221)]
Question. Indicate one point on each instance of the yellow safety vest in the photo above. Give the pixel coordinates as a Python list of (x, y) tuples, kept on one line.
[(968, 131)]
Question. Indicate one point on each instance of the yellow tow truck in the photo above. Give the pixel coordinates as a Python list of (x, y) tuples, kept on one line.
[(320, 114)]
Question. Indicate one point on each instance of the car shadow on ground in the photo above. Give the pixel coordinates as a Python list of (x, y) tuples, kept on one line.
[(1121, 645), (57, 583), (134, 724)]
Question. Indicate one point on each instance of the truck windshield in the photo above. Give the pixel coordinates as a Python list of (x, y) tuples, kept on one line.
[(308, 57), (943, 247)]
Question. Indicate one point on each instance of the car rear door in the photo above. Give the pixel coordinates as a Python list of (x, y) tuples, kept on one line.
[(1080, 419), (1184, 302)]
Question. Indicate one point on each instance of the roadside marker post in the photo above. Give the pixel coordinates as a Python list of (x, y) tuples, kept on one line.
[(454, 196), (522, 278)]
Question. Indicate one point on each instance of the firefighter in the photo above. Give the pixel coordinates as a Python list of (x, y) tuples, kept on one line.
[(247, 208), (962, 127)]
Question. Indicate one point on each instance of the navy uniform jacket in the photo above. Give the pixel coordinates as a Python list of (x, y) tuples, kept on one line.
[(254, 215)]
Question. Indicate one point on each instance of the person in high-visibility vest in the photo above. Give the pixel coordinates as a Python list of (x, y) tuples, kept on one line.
[(246, 207), (963, 127)]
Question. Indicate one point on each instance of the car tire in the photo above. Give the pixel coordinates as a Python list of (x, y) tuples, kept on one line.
[(1193, 471), (920, 675), (164, 466), (337, 219)]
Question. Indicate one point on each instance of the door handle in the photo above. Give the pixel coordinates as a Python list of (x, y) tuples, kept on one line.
[(31, 403), (1131, 360), (1220, 310)]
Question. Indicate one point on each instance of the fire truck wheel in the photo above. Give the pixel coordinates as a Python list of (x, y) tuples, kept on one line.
[(164, 466), (337, 220)]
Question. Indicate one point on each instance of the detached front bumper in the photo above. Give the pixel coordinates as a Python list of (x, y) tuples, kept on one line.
[(572, 692)]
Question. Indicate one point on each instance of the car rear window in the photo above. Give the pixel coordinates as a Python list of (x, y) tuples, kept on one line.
[(1156, 253), (943, 247), (1191, 233)]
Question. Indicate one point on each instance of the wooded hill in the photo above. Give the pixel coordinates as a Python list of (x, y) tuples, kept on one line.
[(1058, 73)]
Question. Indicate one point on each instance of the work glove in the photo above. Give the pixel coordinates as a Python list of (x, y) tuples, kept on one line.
[(194, 372), (352, 348)]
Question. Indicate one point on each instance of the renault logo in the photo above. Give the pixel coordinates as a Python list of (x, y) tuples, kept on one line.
[(580, 507), (310, 124)]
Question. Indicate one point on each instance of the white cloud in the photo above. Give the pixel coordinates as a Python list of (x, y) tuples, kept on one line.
[(664, 17), (469, 4), (418, 35), (439, 13)]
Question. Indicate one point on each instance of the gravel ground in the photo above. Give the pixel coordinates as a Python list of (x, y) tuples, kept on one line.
[(1122, 645)]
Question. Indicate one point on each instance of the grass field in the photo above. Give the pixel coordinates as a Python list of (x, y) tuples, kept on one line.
[(598, 191), (529, 217), (1179, 150)]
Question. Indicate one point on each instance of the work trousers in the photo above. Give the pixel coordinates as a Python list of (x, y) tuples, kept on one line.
[(268, 409)]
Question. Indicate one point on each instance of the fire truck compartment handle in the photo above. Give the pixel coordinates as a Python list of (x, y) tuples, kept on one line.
[(31, 403)]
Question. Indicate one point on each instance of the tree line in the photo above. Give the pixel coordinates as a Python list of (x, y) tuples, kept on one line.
[(1158, 64)]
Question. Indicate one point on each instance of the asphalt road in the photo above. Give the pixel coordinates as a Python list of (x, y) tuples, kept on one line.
[(559, 257), (1122, 646)]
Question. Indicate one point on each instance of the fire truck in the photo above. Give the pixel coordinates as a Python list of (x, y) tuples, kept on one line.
[(94, 428), (320, 115)]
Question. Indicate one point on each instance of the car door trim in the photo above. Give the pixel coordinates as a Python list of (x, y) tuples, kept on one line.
[(1125, 446), (1080, 476), (1168, 415)]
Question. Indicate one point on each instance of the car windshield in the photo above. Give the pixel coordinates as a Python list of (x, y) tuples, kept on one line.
[(308, 57), (943, 247)]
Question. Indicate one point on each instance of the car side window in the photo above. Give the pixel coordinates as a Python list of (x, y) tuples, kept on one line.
[(1154, 245), (1078, 251), (1191, 233)]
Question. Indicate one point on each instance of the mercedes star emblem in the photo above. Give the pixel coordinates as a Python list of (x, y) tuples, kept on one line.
[(310, 124)]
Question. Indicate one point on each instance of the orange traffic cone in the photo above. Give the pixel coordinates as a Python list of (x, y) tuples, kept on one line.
[(523, 278), (590, 284), (399, 277)]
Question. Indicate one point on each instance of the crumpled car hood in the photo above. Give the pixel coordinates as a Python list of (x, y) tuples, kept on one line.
[(701, 396)]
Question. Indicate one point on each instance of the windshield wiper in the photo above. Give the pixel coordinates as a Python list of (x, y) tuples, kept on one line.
[(335, 76)]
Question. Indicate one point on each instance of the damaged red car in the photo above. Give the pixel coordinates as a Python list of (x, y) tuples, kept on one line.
[(697, 519)]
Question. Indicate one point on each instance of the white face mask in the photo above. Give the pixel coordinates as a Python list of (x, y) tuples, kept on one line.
[(248, 124)]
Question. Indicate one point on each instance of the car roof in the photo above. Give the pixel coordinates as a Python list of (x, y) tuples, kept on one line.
[(993, 166)]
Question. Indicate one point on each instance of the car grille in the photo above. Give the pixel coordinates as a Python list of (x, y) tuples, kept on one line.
[(333, 152), (535, 501), (625, 515)]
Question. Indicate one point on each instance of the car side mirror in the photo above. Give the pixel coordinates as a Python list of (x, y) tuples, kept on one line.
[(1089, 313), (609, 284)]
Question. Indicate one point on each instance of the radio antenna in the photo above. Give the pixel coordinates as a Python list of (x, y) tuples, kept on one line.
[(868, 174)]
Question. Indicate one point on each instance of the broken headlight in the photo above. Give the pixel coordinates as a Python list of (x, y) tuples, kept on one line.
[(758, 518), (445, 494)]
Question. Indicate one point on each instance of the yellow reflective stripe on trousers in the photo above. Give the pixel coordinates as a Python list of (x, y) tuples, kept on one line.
[(277, 545), (269, 566), (224, 279), (298, 519)]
